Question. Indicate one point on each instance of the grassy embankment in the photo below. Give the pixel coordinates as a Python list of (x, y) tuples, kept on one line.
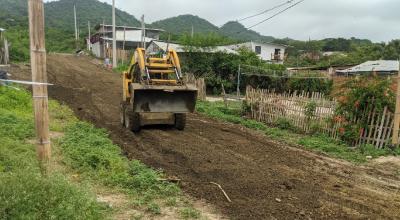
[(84, 160), (283, 132)]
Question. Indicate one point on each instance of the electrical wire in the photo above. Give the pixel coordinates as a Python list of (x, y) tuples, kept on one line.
[(266, 11), (269, 18)]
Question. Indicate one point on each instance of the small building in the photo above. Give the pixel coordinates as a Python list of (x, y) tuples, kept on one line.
[(380, 67), (128, 40), (270, 52)]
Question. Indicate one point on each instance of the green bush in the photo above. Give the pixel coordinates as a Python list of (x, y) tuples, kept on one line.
[(361, 97), (284, 123), (310, 109), (310, 84)]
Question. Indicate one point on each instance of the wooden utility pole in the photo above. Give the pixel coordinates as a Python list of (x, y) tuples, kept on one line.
[(123, 46), (104, 41), (238, 83), (114, 46), (39, 74), (89, 35), (76, 29), (395, 138), (192, 35), (143, 33)]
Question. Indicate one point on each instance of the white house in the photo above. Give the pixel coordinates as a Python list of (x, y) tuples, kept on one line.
[(266, 51)]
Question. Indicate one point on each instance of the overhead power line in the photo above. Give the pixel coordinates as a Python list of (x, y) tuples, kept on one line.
[(269, 18), (266, 11)]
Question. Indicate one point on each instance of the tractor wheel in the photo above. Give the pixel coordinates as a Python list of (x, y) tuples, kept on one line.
[(122, 114), (132, 120), (180, 121)]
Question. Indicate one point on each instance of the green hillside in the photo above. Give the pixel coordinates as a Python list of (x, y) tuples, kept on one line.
[(60, 14), (183, 24), (59, 20), (238, 31)]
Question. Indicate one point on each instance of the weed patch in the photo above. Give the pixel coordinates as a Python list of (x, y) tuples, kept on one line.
[(189, 213), (89, 150), (27, 195)]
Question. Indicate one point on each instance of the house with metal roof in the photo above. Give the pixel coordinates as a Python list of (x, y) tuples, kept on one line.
[(381, 67), (128, 39), (157, 46)]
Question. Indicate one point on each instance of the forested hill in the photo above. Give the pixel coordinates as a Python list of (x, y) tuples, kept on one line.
[(238, 31), (60, 14), (183, 24), (59, 18)]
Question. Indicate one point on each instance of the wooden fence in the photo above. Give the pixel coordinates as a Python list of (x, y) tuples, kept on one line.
[(271, 108), (379, 129), (122, 55), (200, 85)]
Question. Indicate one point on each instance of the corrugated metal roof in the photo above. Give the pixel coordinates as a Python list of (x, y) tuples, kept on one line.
[(2, 29), (257, 43), (138, 39), (131, 28), (180, 48), (374, 66)]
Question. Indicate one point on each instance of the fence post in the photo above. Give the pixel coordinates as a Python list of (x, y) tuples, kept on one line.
[(238, 83), (395, 138), (6, 55), (39, 74), (224, 96)]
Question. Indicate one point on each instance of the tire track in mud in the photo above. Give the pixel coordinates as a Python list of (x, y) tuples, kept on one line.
[(265, 179)]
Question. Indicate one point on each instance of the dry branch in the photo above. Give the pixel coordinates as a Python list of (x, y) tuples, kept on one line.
[(223, 191)]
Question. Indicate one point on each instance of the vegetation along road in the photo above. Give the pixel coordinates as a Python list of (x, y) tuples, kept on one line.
[(264, 179)]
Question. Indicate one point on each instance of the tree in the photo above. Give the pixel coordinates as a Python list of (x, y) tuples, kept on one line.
[(392, 50)]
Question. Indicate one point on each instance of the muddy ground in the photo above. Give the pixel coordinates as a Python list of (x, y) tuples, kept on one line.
[(264, 179)]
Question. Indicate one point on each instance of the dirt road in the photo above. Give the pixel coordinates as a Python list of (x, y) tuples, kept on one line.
[(264, 179)]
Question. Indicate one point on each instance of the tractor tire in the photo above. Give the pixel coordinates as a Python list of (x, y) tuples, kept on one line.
[(180, 121), (132, 120)]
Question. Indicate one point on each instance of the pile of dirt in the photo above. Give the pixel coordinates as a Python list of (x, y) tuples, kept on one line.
[(263, 178)]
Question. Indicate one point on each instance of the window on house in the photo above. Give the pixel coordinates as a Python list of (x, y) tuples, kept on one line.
[(277, 52), (258, 49)]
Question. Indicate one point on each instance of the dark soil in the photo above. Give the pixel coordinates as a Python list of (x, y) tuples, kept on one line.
[(264, 179)]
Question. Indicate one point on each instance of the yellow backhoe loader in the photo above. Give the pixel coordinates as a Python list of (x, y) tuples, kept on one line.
[(154, 92)]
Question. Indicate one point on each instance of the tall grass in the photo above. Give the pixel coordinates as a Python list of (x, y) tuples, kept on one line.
[(90, 151), (24, 193)]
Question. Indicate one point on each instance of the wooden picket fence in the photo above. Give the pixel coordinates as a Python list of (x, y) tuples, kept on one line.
[(379, 129), (270, 107)]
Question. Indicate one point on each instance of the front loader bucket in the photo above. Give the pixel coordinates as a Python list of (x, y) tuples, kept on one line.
[(164, 99)]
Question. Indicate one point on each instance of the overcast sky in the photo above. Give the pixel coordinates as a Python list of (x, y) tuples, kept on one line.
[(377, 20)]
